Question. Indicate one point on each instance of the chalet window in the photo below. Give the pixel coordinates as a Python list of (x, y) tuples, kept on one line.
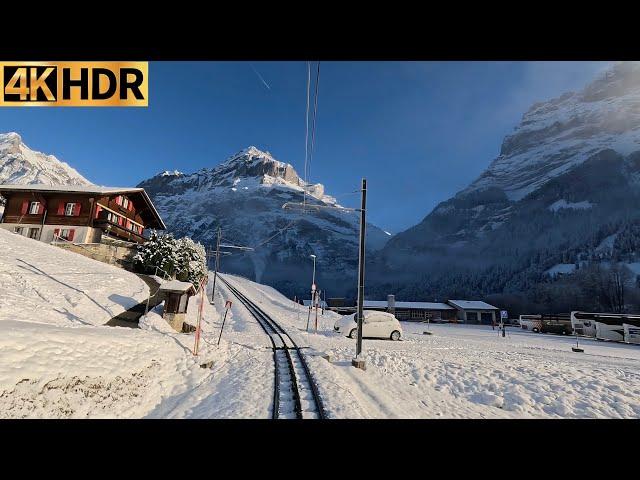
[(72, 209), (34, 208), (33, 233), (125, 202), (18, 230), (65, 233)]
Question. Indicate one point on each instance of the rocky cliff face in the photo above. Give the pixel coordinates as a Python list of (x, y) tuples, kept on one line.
[(20, 164), (244, 196), (566, 179)]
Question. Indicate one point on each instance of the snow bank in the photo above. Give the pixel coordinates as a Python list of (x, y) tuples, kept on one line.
[(46, 284), (58, 361), (60, 372)]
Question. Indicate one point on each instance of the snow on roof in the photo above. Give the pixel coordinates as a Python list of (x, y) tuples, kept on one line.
[(472, 305), (70, 188), (416, 305), (177, 286), (83, 189)]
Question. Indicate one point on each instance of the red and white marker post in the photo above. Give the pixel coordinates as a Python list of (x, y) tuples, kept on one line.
[(227, 306)]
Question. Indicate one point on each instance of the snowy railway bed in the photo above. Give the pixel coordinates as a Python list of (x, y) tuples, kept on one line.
[(295, 393), (460, 371)]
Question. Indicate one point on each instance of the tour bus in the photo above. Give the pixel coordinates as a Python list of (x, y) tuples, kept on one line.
[(618, 327), (631, 333), (558, 323), (583, 324)]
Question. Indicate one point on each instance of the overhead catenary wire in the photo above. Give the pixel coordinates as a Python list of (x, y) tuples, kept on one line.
[(282, 230), (306, 135), (313, 124), (308, 153)]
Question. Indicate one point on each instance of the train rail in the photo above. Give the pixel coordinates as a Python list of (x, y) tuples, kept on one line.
[(295, 392)]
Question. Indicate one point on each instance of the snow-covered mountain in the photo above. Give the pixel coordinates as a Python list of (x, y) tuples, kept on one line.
[(560, 134), (244, 195), (566, 179), (20, 164)]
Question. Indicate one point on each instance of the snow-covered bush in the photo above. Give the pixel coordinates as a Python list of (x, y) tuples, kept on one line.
[(180, 258)]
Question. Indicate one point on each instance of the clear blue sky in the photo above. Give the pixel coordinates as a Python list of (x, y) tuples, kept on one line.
[(419, 131)]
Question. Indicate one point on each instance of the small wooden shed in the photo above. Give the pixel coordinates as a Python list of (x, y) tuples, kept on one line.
[(176, 300)]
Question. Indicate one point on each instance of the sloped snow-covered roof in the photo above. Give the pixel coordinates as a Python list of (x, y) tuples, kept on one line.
[(472, 305), (69, 188), (177, 286), (416, 305), (85, 189)]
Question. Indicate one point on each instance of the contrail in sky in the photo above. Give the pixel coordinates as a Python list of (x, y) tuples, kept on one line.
[(260, 77)]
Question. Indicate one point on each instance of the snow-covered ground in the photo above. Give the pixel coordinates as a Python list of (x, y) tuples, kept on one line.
[(463, 371), (59, 360)]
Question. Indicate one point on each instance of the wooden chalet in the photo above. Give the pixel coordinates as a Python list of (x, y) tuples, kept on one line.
[(78, 213)]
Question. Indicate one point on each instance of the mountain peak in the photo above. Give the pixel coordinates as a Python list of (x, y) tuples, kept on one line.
[(22, 165), (252, 154), (559, 134), (620, 79), (11, 136)]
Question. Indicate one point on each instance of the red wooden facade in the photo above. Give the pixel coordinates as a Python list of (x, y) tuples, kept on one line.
[(121, 213)]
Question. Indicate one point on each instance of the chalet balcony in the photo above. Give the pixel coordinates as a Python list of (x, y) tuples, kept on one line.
[(115, 230)]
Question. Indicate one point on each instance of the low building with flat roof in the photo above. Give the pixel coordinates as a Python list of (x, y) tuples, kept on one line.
[(475, 311)]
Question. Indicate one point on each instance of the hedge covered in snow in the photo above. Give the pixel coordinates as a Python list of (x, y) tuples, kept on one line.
[(179, 258)]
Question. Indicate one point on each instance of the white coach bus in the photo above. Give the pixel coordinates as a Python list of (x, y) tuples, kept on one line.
[(618, 327)]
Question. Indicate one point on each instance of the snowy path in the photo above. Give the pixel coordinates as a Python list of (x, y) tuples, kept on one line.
[(240, 385)]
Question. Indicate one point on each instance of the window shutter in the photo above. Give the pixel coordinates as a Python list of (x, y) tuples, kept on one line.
[(61, 208), (72, 232), (130, 206), (98, 210), (119, 200), (40, 209), (76, 210), (25, 206), (56, 232)]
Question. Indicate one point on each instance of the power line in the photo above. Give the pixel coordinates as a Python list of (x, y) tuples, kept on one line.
[(276, 234), (306, 135), (315, 112)]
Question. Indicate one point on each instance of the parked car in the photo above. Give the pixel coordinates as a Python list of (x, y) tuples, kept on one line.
[(375, 325)]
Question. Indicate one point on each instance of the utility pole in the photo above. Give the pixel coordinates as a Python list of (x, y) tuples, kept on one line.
[(358, 361), (215, 273), (313, 290)]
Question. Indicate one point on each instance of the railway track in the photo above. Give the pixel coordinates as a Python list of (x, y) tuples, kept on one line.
[(295, 393)]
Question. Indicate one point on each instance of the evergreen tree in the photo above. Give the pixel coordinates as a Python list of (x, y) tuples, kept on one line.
[(182, 259)]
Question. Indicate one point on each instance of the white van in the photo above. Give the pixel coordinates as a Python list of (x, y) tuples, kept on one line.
[(374, 325)]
